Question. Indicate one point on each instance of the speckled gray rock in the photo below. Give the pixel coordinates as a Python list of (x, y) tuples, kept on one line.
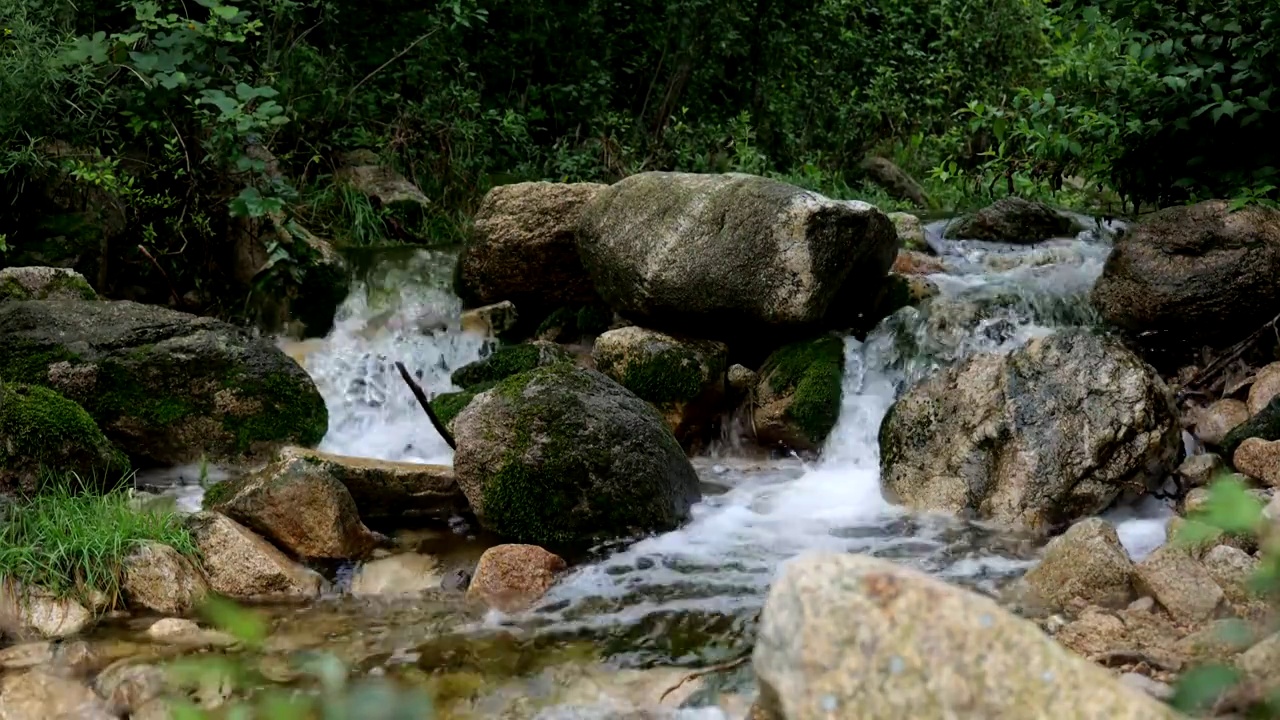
[(845, 636), (1232, 569), (721, 256), (1015, 220), (44, 283), (1193, 275), (158, 578), (1046, 434), (1197, 470), (1087, 562)]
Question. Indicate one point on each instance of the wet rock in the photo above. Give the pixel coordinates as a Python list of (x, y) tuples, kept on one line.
[(491, 320), (1220, 418), (895, 181), (911, 262), (384, 490), (731, 256), (42, 430), (456, 580), (1198, 470), (1232, 569), (1193, 276), (1099, 635), (43, 283), (513, 577), (129, 684), (384, 187), (1046, 434), (403, 574), (910, 231), (1015, 220), (920, 649), (1265, 426), (797, 400), (1259, 459), (741, 380), (166, 387), (1086, 562), (523, 248), (1195, 501), (682, 378), (507, 361), (240, 564), (40, 695), (171, 629), (158, 578), (564, 455), (32, 611), (1181, 584), (295, 503)]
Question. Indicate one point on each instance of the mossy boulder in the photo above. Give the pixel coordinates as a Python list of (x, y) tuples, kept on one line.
[(730, 257), (44, 283), (684, 379), (797, 400), (562, 456), (508, 360), (1264, 425), (40, 429), (167, 387), (572, 323), (1015, 220)]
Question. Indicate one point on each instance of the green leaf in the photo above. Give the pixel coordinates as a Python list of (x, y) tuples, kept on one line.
[(226, 12), (1200, 687), (1230, 508), (244, 625)]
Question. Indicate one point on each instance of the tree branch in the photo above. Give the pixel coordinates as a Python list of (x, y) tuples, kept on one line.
[(426, 405)]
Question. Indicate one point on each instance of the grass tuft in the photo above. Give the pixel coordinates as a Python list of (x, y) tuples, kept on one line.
[(73, 543)]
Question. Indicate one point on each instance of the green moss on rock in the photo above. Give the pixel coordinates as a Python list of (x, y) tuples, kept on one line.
[(42, 430), (1265, 425), (448, 405), (506, 361), (811, 373)]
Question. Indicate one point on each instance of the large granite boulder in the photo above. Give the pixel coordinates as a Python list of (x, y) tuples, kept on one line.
[(167, 387), (731, 256), (1193, 276), (563, 456), (1039, 437)]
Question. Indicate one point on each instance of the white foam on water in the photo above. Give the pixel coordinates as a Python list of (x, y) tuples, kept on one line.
[(1141, 526)]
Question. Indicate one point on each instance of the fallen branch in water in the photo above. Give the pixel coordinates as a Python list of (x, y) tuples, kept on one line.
[(722, 667), (426, 404)]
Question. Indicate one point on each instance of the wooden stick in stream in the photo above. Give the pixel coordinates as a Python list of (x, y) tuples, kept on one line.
[(426, 404)]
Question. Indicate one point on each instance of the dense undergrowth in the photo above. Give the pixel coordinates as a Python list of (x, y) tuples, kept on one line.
[(140, 139)]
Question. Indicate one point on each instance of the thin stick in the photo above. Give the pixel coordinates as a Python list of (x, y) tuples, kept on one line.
[(394, 58), (426, 405), (722, 667)]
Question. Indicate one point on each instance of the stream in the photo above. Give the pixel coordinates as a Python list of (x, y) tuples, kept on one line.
[(626, 624)]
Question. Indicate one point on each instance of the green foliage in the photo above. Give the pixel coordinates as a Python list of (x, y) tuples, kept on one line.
[(72, 542)]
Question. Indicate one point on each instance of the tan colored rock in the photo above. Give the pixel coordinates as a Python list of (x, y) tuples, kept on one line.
[(1154, 688), (240, 564), (1096, 634), (1260, 460), (178, 631), (388, 490), (741, 379), (1232, 568), (35, 611), (1181, 584), (1266, 385), (1262, 661), (1216, 642), (1195, 501), (1086, 562), (1214, 422), (912, 263), (129, 684), (297, 504), (158, 578), (490, 320), (403, 574), (26, 655), (39, 695), (512, 577), (919, 648), (1198, 470), (910, 230)]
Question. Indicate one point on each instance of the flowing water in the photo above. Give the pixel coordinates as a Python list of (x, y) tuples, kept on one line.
[(691, 596)]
